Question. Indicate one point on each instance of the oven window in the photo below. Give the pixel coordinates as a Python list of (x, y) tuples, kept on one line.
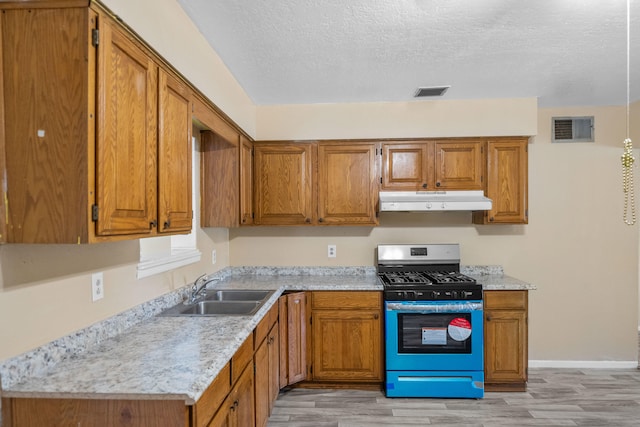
[(434, 333)]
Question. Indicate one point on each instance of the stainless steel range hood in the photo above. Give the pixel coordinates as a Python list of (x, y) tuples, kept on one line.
[(426, 201)]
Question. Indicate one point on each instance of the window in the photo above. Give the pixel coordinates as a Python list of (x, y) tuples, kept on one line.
[(159, 254)]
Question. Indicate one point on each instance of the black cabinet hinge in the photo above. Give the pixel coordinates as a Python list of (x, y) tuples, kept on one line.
[(95, 37), (380, 180), (94, 212)]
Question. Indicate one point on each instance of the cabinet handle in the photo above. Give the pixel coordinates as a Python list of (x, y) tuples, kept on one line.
[(308, 220), (167, 224), (424, 185), (437, 184), (153, 223), (491, 219), (376, 316), (320, 220), (488, 318)]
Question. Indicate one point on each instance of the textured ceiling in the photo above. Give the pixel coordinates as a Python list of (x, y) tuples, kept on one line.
[(565, 52)]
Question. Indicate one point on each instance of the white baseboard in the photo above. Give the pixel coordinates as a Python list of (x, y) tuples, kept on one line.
[(585, 364)]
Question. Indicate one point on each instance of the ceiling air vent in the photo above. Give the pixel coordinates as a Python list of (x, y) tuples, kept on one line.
[(431, 91), (572, 129)]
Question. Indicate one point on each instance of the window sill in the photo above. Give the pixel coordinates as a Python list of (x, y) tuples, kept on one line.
[(178, 258)]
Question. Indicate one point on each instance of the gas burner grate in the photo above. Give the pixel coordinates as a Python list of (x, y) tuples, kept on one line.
[(405, 277), (449, 277)]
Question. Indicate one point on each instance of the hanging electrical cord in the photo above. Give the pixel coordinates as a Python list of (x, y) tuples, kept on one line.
[(629, 214)]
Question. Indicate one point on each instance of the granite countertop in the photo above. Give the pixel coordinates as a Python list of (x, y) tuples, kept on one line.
[(178, 357)]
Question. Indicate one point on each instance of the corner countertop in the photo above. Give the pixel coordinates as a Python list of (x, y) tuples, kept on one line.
[(176, 358)]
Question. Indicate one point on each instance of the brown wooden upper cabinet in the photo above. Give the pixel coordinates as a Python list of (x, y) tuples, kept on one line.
[(309, 183), (97, 131), (283, 183), (507, 182), (432, 165), (347, 187)]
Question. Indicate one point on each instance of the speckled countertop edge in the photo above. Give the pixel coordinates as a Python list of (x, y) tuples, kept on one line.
[(178, 357)]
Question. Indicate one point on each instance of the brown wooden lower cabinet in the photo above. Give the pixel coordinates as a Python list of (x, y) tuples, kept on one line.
[(506, 340), (35, 412), (238, 409), (266, 366), (347, 336), (293, 338)]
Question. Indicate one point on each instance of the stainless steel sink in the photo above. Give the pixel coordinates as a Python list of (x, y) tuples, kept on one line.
[(204, 308), (223, 302), (237, 295)]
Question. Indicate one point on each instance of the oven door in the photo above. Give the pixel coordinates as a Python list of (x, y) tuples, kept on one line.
[(434, 335)]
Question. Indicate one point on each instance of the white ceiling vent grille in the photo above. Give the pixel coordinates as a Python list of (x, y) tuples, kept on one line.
[(430, 91), (572, 129)]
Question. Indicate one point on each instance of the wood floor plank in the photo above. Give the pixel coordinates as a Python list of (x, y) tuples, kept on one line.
[(555, 397)]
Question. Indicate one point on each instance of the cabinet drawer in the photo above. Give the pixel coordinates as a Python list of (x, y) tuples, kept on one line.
[(208, 404), (346, 299), (265, 325), (242, 357), (505, 300)]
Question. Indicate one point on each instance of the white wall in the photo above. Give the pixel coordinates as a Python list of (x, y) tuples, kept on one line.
[(435, 118)]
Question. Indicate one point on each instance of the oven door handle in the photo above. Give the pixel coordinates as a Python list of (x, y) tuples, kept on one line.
[(456, 307)]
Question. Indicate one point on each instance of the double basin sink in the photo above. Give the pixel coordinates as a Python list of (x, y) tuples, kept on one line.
[(230, 302)]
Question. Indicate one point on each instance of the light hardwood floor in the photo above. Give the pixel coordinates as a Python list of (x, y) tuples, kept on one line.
[(555, 397)]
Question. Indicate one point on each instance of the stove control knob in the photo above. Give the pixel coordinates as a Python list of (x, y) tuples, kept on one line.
[(454, 295), (436, 294)]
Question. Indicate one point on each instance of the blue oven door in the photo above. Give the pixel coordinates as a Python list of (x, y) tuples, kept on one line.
[(434, 349), (434, 335)]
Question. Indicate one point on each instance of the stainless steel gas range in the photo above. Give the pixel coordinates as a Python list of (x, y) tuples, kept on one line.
[(433, 323)]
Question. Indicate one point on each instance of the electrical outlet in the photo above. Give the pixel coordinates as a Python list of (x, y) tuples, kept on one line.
[(213, 257), (331, 251), (97, 286)]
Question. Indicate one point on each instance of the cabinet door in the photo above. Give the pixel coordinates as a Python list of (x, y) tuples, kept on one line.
[(267, 376), (347, 184), (283, 184), (406, 166), (293, 338), (261, 362), (274, 366), (45, 58), (507, 183), (126, 136), (174, 155), (459, 165), (244, 402), (238, 409), (347, 345), (505, 346), (506, 343), (246, 181)]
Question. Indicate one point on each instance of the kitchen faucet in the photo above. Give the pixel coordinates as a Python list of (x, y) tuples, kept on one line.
[(198, 287)]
